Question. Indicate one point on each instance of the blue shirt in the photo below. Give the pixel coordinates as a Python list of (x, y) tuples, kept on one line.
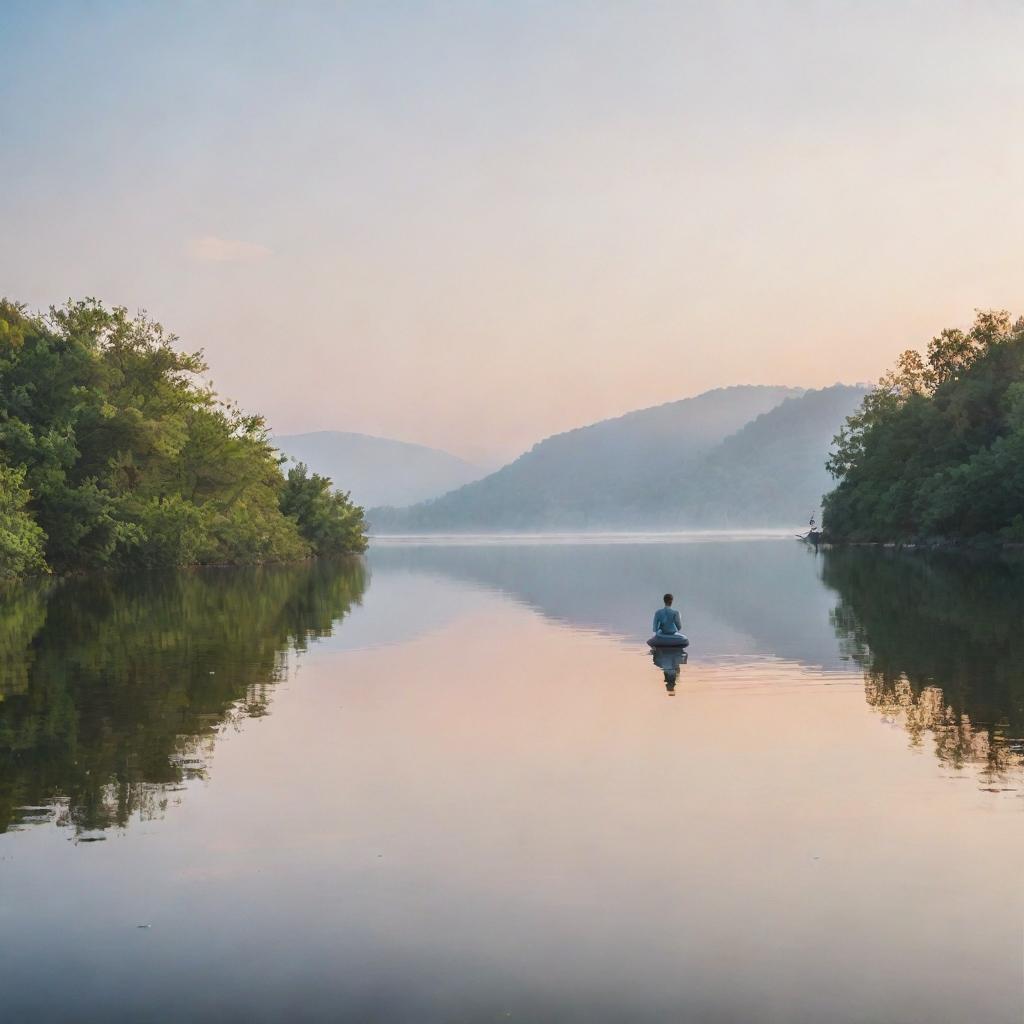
[(666, 621)]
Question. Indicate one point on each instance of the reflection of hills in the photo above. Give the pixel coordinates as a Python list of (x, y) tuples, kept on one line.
[(940, 641), (113, 687), (754, 596)]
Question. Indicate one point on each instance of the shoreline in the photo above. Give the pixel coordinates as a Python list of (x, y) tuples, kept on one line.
[(77, 574), (974, 546)]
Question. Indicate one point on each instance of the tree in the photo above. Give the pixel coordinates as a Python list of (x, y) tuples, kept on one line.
[(130, 460), (327, 519), (937, 448), (21, 539)]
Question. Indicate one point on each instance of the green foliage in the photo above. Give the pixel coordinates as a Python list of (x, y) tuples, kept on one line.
[(21, 539), (327, 520), (937, 448), (122, 457)]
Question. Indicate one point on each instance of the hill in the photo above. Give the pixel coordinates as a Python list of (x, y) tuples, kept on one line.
[(770, 472), (607, 474), (377, 470)]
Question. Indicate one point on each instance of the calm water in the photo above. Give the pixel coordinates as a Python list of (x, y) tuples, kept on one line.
[(452, 785)]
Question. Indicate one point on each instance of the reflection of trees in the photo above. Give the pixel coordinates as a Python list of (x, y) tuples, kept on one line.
[(115, 688), (22, 613), (940, 641)]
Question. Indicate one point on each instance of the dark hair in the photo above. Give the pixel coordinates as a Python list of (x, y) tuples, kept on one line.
[(667, 599)]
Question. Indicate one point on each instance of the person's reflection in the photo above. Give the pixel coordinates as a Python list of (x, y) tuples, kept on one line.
[(668, 659)]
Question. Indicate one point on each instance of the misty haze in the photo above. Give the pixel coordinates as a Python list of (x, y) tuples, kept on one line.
[(511, 512)]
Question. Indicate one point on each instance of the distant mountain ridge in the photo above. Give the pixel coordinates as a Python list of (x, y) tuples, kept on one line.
[(379, 470), (744, 455), (772, 470)]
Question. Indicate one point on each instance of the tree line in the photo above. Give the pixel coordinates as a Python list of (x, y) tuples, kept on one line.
[(114, 453), (936, 450)]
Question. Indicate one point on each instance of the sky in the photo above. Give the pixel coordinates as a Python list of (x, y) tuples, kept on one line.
[(475, 224)]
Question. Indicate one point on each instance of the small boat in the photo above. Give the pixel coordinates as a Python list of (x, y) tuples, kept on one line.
[(675, 640)]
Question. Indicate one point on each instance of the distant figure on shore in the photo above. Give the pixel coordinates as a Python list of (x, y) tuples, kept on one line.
[(666, 620)]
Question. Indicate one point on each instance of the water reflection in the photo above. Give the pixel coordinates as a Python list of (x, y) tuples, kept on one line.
[(938, 636), (739, 597), (669, 660), (940, 642), (113, 688), (518, 830)]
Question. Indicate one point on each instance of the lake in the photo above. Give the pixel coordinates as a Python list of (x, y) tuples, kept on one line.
[(452, 784)]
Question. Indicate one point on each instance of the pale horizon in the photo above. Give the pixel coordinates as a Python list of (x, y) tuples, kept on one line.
[(496, 461), (474, 227)]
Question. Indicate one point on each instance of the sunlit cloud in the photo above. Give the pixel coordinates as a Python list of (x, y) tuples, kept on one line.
[(211, 249)]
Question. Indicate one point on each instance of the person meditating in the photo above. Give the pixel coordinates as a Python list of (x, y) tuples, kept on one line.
[(666, 620)]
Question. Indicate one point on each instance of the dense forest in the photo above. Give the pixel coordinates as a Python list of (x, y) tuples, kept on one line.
[(936, 450), (115, 454)]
